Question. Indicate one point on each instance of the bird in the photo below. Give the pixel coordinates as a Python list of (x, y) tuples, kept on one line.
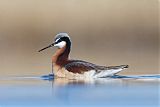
[(64, 67)]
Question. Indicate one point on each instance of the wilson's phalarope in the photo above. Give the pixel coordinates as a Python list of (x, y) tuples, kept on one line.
[(62, 66)]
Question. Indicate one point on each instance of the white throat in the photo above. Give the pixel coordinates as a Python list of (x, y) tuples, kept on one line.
[(60, 44)]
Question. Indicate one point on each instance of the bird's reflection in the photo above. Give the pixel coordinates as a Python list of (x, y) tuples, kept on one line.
[(65, 81), (93, 81), (68, 91)]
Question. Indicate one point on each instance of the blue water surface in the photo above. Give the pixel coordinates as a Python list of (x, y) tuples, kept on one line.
[(46, 91)]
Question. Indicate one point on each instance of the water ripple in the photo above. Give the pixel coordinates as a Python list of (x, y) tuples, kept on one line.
[(138, 76), (155, 76)]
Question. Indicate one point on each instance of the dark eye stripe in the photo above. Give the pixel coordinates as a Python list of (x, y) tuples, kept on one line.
[(59, 40)]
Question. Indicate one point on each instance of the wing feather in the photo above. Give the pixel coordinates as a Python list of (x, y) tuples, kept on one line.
[(78, 66)]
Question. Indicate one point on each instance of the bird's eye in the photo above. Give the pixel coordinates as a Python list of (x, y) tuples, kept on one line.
[(57, 41)]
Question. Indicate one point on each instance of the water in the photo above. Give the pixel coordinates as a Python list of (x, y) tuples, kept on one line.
[(46, 91)]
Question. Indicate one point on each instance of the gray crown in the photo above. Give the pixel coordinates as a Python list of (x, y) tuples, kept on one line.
[(60, 35)]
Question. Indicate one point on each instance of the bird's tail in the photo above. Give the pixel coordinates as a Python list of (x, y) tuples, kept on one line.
[(124, 66), (118, 67), (110, 71)]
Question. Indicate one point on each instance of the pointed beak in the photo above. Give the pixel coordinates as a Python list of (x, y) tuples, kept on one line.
[(46, 47)]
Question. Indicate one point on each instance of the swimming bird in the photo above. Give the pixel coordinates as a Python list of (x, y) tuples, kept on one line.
[(63, 66)]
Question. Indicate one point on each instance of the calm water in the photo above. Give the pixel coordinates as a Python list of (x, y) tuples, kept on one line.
[(43, 91)]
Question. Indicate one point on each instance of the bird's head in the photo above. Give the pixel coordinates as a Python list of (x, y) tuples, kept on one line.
[(61, 40)]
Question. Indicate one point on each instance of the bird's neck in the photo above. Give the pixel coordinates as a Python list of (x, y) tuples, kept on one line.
[(61, 55)]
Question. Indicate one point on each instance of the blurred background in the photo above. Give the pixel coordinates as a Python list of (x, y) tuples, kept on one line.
[(105, 32)]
